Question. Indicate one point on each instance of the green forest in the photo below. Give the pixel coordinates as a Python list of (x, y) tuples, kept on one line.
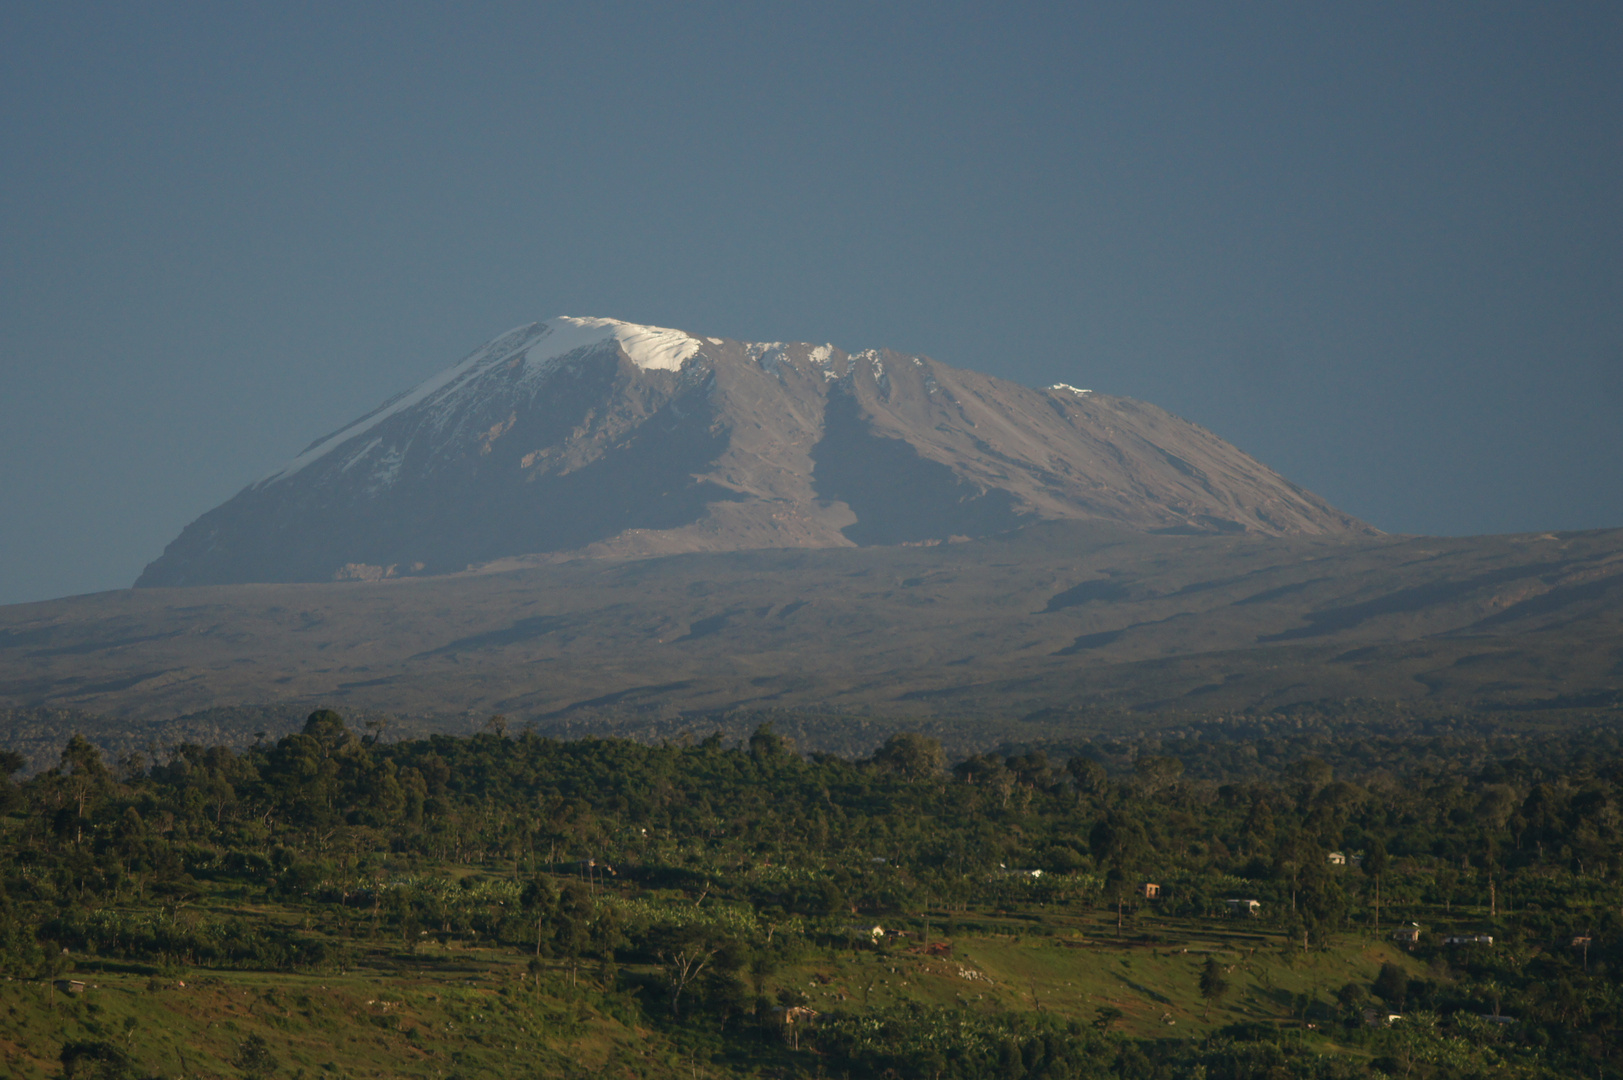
[(1223, 904)]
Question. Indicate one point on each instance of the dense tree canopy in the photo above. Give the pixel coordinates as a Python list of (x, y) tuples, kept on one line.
[(557, 849)]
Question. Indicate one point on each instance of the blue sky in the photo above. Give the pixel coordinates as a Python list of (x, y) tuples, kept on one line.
[(1377, 246)]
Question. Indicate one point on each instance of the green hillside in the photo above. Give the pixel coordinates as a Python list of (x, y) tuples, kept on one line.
[(497, 906)]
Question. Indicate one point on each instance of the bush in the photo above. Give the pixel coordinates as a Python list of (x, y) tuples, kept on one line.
[(86, 1060)]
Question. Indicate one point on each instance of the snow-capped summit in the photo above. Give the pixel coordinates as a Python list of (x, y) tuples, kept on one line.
[(605, 437), (536, 347)]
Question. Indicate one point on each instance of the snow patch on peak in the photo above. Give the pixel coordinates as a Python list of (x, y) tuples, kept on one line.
[(651, 348), (360, 455), (1068, 386), (768, 354), (539, 345)]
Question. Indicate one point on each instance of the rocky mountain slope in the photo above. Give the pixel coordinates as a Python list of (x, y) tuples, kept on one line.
[(608, 438)]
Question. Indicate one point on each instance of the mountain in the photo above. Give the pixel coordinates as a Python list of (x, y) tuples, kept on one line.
[(603, 437)]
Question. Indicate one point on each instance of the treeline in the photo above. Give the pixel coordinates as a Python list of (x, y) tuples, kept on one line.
[(1253, 740)]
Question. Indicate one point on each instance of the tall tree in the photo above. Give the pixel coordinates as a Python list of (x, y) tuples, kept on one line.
[(912, 755), (1213, 985)]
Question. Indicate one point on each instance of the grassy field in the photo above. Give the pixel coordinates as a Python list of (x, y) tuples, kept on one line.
[(1152, 975), (452, 1010), (472, 1015)]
